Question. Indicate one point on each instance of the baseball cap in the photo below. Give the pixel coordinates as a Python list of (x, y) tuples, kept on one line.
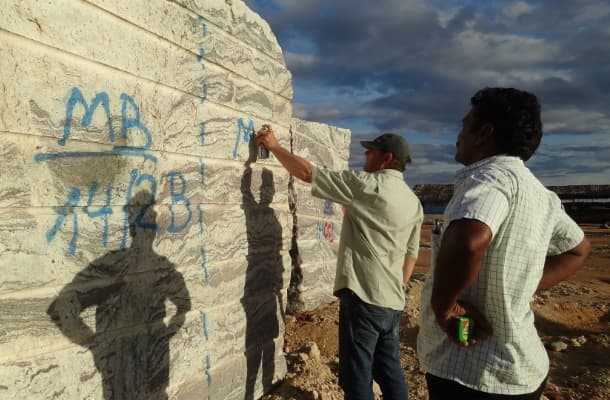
[(390, 143)]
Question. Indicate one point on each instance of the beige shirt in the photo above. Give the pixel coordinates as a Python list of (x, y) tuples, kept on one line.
[(381, 228), (528, 224)]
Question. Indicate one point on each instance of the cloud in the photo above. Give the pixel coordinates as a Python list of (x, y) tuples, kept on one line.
[(322, 112), (552, 163), (518, 9), (412, 65), (299, 62), (575, 120)]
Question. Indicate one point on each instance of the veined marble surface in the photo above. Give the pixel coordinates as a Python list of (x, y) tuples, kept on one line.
[(318, 221), (145, 251)]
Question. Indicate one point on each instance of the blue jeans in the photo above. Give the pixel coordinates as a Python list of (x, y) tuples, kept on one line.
[(369, 348)]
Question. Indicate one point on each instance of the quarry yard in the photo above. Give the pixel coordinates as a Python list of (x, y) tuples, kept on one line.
[(573, 320)]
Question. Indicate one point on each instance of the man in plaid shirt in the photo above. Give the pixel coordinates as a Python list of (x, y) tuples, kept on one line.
[(506, 237)]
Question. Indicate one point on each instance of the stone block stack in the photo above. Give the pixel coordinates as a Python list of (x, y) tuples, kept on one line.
[(145, 251), (317, 221)]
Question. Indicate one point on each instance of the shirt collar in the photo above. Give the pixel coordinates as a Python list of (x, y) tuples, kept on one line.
[(392, 172), (500, 159)]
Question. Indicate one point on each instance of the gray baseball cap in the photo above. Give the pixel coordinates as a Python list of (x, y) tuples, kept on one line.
[(390, 143)]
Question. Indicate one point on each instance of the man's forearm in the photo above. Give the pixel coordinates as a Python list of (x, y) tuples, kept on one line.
[(407, 269), (452, 276), (560, 267), (296, 165), (458, 262)]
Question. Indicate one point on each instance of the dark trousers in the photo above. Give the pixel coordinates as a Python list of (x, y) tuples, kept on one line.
[(445, 389), (369, 348)]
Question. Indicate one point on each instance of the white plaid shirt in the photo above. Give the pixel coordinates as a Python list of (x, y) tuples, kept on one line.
[(528, 224)]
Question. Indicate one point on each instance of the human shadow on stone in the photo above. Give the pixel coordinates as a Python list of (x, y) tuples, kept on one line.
[(127, 292), (262, 297)]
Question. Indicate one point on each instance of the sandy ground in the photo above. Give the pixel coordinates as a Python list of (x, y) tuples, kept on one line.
[(573, 320)]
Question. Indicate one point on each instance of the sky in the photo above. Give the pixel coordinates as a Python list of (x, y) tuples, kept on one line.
[(411, 66)]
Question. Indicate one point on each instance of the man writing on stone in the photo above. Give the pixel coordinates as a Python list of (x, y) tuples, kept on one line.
[(506, 237), (377, 253)]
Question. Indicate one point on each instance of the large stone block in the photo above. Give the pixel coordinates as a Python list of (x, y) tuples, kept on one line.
[(45, 250), (235, 18), (315, 207), (144, 251), (317, 221), (37, 173), (318, 281), (115, 43), (89, 103), (190, 30), (318, 239), (147, 360), (322, 144)]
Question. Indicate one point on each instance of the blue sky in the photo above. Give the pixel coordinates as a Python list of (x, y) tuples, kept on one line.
[(411, 66)]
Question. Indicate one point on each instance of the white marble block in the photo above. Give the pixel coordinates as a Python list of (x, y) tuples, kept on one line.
[(146, 253), (318, 221)]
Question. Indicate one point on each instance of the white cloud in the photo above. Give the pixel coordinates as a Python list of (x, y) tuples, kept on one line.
[(301, 111), (445, 16), (316, 113), (592, 11), (411, 66), (501, 50), (299, 7), (574, 120), (517, 9), (492, 59), (299, 60)]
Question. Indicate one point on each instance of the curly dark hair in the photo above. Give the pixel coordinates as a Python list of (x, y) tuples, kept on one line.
[(515, 116)]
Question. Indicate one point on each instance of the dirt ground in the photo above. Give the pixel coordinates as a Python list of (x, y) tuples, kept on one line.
[(573, 320)]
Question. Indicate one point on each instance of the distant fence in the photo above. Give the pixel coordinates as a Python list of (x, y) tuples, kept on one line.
[(584, 203)]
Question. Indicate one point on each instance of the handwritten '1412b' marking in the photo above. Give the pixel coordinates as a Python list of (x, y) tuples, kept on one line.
[(130, 121)]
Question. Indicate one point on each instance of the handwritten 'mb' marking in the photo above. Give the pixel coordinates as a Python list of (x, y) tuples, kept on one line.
[(130, 115), (244, 132)]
